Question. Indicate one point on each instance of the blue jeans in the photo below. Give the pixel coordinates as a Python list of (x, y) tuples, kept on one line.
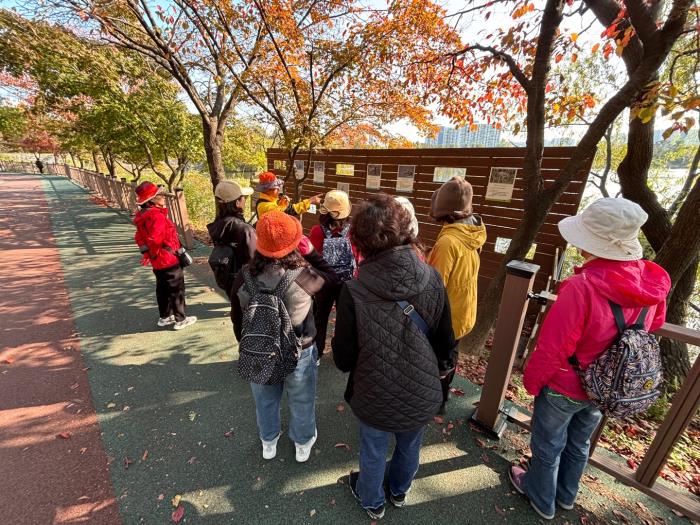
[(403, 466), (301, 398), (561, 438)]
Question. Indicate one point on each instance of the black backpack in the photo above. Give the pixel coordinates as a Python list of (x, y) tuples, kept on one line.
[(222, 261), (269, 348)]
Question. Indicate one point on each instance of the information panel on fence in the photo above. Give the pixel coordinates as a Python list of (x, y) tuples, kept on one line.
[(494, 173)]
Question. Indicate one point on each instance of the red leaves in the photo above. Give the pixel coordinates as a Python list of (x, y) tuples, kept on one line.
[(457, 391), (64, 435), (144, 456), (228, 434), (127, 461), (439, 420), (340, 408), (178, 514), (632, 464), (342, 445)]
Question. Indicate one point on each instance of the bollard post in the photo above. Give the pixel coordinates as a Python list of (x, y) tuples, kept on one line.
[(511, 314)]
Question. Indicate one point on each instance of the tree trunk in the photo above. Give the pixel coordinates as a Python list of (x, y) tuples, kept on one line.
[(474, 342), (94, 160), (633, 174), (213, 131), (674, 354)]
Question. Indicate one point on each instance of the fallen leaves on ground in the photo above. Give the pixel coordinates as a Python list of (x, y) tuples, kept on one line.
[(457, 391), (228, 434), (144, 456), (439, 420), (178, 514), (176, 500), (499, 510), (342, 445), (64, 435), (127, 461), (340, 407)]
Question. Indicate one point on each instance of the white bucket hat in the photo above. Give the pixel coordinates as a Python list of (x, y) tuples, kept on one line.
[(608, 228)]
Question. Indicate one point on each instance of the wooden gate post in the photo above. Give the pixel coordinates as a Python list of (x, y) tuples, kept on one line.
[(519, 279)]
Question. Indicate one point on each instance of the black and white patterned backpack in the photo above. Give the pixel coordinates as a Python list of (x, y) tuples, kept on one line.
[(269, 348), (625, 379), (337, 251)]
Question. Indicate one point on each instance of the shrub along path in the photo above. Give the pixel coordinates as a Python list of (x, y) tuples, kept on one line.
[(175, 420)]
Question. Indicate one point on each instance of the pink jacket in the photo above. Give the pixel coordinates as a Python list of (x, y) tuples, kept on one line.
[(581, 321)]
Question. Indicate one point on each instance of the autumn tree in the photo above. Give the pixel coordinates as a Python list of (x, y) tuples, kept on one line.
[(672, 232), (201, 44), (327, 67), (510, 71)]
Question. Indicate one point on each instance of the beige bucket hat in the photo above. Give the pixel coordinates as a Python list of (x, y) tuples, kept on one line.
[(608, 228)]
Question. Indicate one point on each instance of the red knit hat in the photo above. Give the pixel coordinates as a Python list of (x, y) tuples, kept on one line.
[(278, 234), (145, 192)]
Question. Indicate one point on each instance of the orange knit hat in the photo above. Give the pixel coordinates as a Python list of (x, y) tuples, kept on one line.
[(278, 234)]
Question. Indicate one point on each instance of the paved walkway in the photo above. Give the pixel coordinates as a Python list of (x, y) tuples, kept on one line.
[(174, 417)]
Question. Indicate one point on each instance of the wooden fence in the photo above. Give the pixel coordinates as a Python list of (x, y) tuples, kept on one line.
[(117, 193), (501, 217)]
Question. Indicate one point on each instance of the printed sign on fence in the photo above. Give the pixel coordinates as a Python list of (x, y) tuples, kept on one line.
[(501, 184), (405, 178), (319, 171), (443, 174), (345, 169), (299, 169), (374, 176)]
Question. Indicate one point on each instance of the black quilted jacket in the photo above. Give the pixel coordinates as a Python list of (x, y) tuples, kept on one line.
[(394, 382)]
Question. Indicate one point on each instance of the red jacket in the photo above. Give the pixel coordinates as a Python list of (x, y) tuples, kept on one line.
[(154, 230), (581, 321)]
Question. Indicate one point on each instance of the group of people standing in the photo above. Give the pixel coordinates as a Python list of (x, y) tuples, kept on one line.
[(400, 313)]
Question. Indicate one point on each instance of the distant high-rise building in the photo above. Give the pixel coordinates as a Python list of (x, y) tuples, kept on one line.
[(485, 137)]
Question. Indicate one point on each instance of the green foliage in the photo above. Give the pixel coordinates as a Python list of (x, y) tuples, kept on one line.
[(13, 123), (245, 146)]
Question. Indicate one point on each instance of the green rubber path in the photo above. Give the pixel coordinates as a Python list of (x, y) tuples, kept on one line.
[(177, 420)]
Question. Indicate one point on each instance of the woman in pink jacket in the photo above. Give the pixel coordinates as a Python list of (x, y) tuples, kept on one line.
[(581, 323)]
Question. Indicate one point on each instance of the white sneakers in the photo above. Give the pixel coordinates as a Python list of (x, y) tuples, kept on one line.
[(166, 321), (304, 451), (187, 321), (270, 448)]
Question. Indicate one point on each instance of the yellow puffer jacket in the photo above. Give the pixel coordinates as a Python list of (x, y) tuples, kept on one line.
[(456, 257), (268, 203)]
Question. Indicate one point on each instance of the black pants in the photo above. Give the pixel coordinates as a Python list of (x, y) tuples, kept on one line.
[(323, 304), (170, 292)]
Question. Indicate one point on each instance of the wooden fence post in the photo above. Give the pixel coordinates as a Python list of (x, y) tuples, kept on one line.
[(187, 233), (520, 277)]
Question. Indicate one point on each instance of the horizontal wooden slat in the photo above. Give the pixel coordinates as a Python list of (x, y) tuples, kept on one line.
[(501, 219)]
